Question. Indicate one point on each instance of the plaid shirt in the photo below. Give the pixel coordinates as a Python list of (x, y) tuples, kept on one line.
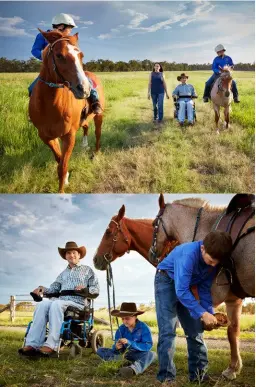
[(72, 277)]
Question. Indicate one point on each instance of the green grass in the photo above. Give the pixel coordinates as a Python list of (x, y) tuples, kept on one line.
[(135, 155), (89, 370)]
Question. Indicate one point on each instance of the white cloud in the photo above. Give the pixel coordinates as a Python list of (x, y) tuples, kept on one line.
[(78, 20), (9, 27), (104, 36)]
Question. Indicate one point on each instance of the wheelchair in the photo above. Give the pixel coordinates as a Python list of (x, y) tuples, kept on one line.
[(77, 330), (176, 107)]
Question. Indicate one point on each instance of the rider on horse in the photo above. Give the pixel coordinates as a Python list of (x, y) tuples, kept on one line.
[(63, 23), (219, 62)]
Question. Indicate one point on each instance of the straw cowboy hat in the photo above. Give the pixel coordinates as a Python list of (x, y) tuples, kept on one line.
[(182, 75), (127, 309), (72, 246)]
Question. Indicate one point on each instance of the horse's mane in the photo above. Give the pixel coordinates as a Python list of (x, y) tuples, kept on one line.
[(197, 203)]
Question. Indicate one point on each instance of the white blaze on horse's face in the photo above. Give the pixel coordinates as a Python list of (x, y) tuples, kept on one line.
[(83, 85)]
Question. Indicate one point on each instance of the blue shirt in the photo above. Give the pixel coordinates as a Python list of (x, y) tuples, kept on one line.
[(72, 277), (39, 44), (219, 61), (185, 89), (185, 265), (140, 339)]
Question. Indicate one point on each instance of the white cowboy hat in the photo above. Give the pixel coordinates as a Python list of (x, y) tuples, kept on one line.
[(220, 47), (63, 18)]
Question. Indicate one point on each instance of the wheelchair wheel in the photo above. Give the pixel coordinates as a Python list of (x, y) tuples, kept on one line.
[(75, 350), (97, 340)]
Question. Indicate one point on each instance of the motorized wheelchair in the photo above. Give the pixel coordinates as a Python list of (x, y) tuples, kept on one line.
[(77, 328), (176, 107)]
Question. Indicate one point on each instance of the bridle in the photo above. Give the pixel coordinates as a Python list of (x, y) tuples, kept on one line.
[(220, 84), (159, 220), (108, 256), (55, 68)]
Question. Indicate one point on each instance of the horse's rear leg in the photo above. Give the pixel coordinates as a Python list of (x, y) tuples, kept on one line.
[(98, 124), (217, 117), (68, 142), (85, 136), (54, 145), (234, 309)]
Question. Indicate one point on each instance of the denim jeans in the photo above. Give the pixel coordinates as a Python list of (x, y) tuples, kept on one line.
[(183, 105), (158, 105), (210, 82), (94, 96), (51, 311), (140, 360), (168, 308)]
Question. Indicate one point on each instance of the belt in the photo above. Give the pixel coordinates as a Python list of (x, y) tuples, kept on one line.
[(163, 272)]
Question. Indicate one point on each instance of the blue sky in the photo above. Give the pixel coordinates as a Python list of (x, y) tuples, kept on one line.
[(33, 226), (183, 31)]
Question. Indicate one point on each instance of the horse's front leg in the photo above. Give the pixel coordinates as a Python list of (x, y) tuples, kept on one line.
[(234, 309), (54, 145), (68, 142), (226, 115)]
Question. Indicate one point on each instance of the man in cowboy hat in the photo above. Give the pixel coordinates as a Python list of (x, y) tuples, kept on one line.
[(219, 62), (74, 277), (182, 94), (133, 339), (63, 23)]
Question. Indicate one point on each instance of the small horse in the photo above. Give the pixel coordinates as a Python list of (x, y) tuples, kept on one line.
[(123, 235), (177, 221), (58, 105), (221, 95)]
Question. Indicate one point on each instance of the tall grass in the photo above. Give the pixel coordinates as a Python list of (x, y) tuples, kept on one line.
[(136, 155)]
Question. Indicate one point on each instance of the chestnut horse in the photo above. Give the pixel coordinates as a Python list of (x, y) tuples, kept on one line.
[(177, 221), (221, 95), (58, 105), (123, 235)]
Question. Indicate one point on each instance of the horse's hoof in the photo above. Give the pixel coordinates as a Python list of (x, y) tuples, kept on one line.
[(66, 182), (217, 131), (85, 148), (229, 374), (84, 143), (92, 156)]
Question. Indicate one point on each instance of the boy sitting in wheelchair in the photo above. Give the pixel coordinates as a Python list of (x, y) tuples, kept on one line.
[(77, 278), (183, 97)]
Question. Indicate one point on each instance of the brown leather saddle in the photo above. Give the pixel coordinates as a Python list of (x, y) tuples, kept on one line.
[(238, 220)]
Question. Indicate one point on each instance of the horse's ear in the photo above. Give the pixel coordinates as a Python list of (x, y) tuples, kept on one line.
[(161, 201), (121, 213), (51, 36)]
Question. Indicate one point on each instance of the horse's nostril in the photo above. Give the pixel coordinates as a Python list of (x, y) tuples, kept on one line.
[(80, 87)]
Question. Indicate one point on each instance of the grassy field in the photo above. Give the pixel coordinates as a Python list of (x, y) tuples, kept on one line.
[(89, 370), (136, 155)]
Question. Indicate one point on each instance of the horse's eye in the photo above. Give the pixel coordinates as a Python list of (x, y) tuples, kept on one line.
[(108, 231), (59, 56)]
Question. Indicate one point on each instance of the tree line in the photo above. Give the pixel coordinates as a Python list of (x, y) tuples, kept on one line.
[(104, 65)]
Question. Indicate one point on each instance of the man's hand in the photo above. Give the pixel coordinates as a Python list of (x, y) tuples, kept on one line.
[(39, 290), (123, 341), (79, 287), (119, 345), (209, 320)]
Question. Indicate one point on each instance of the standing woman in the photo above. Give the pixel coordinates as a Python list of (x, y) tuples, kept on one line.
[(156, 89)]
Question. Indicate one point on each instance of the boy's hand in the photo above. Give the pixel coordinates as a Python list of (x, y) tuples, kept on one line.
[(167, 96), (119, 345), (39, 290), (123, 341), (149, 96), (209, 320)]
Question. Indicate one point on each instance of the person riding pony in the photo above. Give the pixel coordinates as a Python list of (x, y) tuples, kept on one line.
[(220, 61), (63, 23)]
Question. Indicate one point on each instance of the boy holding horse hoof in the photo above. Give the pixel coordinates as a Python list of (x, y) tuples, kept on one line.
[(220, 61), (63, 23), (133, 342), (183, 290)]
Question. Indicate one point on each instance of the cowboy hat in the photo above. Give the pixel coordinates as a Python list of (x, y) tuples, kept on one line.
[(127, 309), (182, 75), (72, 246)]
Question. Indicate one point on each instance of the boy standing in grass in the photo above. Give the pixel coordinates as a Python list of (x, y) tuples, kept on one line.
[(133, 340)]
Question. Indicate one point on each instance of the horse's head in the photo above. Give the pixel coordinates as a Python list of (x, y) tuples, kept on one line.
[(115, 242), (226, 80), (162, 235), (63, 60)]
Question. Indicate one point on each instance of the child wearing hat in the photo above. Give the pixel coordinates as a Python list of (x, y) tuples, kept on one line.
[(74, 277), (183, 94), (133, 339)]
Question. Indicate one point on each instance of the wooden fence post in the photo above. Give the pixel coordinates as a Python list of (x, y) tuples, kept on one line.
[(12, 308)]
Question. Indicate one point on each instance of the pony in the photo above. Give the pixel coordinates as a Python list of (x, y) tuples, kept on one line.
[(221, 95), (176, 221), (58, 105)]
